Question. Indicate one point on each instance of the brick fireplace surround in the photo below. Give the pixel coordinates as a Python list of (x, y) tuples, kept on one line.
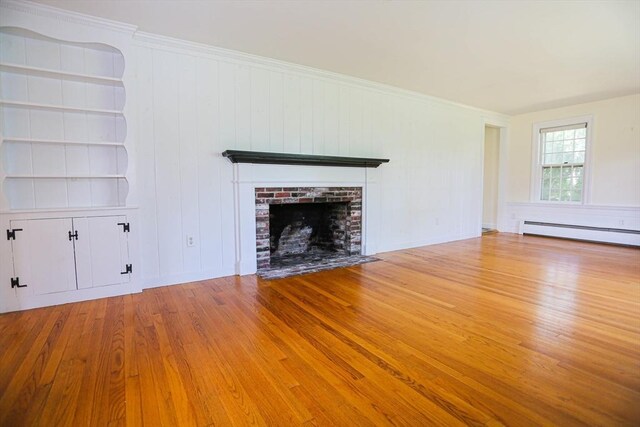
[(265, 196)]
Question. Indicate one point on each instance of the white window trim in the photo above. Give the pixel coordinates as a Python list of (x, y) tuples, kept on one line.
[(536, 166)]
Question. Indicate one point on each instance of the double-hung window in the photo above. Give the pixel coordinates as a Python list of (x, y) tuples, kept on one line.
[(561, 167)]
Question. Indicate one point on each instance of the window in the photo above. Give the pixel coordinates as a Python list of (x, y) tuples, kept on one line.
[(560, 172)]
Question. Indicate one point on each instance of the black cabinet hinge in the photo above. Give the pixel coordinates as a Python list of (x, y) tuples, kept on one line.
[(71, 236), (15, 283), (11, 234), (128, 269), (125, 227)]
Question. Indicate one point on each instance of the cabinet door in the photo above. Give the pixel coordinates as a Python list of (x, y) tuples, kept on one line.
[(43, 256), (101, 251)]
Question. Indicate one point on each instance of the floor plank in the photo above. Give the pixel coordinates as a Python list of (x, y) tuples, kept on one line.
[(498, 330)]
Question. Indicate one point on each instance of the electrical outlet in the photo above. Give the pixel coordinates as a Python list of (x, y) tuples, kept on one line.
[(190, 241)]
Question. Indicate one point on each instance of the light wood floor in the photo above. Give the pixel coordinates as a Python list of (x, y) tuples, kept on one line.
[(502, 329)]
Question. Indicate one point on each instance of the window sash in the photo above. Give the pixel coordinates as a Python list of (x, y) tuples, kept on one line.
[(562, 183), (560, 147), (566, 127)]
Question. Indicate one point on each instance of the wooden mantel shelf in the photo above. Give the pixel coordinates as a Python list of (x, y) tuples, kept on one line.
[(238, 156)]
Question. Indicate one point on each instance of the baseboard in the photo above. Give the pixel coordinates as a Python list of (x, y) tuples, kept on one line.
[(617, 217), (59, 298), (592, 234), (178, 279), (426, 242)]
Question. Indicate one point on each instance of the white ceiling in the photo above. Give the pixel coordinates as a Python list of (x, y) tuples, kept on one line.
[(506, 56)]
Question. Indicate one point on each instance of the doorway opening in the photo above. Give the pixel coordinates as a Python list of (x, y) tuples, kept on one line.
[(490, 179)]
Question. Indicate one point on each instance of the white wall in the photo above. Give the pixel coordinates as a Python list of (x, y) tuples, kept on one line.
[(615, 167), (616, 150), (195, 102), (490, 177)]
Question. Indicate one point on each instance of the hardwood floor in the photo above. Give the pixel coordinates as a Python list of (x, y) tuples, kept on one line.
[(502, 329)]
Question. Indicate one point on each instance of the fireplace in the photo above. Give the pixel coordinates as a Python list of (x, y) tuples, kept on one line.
[(263, 179), (306, 225)]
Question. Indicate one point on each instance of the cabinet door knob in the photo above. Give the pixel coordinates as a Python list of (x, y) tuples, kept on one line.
[(71, 236)]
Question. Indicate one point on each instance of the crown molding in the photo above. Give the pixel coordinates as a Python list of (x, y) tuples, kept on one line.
[(37, 9), (171, 44)]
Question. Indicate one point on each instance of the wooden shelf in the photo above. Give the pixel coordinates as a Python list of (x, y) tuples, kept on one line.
[(63, 142), (70, 209), (66, 75), (53, 107), (237, 156), (118, 176)]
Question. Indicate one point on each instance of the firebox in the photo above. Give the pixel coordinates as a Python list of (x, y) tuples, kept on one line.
[(303, 225), (300, 229)]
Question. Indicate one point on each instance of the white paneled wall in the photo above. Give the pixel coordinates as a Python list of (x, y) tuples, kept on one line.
[(181, 168), (194, 104)]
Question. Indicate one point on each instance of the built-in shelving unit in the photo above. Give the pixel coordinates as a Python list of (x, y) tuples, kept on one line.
[(66, 165), (63, 126)]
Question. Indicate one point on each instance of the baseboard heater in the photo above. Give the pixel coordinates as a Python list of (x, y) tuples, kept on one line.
[(582, 232)]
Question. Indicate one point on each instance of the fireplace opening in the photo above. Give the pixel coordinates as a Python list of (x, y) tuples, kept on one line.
[(301, 232)]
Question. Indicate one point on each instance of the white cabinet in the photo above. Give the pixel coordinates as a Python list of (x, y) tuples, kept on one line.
[(102, 254), (67, 254), (43, 256)]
